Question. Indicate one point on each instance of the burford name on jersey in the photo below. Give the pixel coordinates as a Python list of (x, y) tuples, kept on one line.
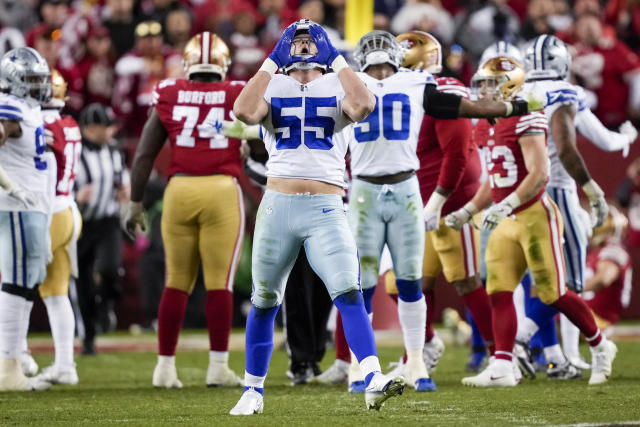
[(197, 97)]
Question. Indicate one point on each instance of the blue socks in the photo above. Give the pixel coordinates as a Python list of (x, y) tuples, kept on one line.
[(259, 340), (356, 324), (409, 290), (367, 295)]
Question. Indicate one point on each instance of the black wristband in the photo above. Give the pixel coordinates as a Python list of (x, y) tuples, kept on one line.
[(520, 107)]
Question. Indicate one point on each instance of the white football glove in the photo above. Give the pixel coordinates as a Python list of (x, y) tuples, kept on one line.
[(599, 206), (628, 130), (495, 214), (457, 219), (135, 217), (432, 211), (26, 197)]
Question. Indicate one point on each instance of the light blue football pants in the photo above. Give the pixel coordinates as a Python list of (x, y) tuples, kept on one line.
[(575, 235), (23, 248), (391, 214), (284, 223)]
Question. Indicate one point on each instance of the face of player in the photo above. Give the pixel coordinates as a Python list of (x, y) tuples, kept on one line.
[(303, 45)]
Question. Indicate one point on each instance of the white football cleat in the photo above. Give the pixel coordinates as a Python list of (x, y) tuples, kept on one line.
[(165, 374), (517, 373), (381, 388), (432, 352), (601, 360), (337, 373), (13, 379), (250, 403), (54, 374), (220, 375), (417, 376), (493, 377), (29, 365), (356, 381), (398, 368), (523, 356), (579, 363)]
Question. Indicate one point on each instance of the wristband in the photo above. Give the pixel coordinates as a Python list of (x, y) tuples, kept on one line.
[(435, 202), (512, 200), (509, 107), (269, 66), (592, 190), (339, 64), (470, 208)]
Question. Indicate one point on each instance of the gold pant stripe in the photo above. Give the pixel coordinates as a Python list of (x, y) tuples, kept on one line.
[(202, 221)]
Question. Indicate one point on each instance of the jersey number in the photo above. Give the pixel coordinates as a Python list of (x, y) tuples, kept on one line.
[(209, 128), (498, 179), (395, 116), (318, 122), (71, 155), (41, 144)]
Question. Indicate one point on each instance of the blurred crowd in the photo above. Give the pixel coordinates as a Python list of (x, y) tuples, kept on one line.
[(113, 52)]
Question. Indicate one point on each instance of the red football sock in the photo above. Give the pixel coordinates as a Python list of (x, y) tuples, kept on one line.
[(506, 324), (342, 348), (173, 305), (578, 312), (478, 304), (430, 299), (219, 312)]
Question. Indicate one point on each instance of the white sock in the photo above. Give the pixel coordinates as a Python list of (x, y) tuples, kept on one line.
[(570, 337), (554, 354), (413, 319), (219, 357), (11, 329), (166, 360), (253, 381), (355, 370), (63, 325), (526, 329), (518, 303), (370, 364), (28, 305)]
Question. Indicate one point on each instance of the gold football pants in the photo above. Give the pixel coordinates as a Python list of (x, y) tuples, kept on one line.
[(59, 269)]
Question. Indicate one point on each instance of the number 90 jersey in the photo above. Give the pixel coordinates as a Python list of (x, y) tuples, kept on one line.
[(505, 161), (22, 157), (385, 142), (304, 129), (192, 113)]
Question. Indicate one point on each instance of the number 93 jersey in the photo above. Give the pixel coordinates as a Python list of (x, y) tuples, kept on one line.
[(385, 142), (505, 161), (192, 113), (304, 129), (22, 157)]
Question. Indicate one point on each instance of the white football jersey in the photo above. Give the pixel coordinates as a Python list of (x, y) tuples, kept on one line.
[(22, 157), (558, 93), (385, 142), (304, 129)]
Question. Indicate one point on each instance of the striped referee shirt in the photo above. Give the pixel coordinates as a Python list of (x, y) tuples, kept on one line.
[(102, 166)]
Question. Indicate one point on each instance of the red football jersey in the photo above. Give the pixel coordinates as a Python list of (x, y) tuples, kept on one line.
[(505, 162), (610, 302), (65, 140), (448, 157), (192, 113)]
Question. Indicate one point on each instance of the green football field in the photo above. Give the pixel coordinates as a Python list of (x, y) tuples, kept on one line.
[(115, 388)]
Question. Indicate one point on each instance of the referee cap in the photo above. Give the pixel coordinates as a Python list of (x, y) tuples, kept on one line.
[(97, 114)]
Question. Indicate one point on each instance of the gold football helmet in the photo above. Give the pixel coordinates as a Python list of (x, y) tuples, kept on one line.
[(422, 51), (206, 53), (58, 90), (614, 228), (500, 77)]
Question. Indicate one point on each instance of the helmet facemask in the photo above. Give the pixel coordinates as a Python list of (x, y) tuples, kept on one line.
[(303, 48), (378, 47), (499, 79)]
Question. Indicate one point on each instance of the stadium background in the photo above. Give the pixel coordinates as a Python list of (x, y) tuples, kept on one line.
[(107, 56)]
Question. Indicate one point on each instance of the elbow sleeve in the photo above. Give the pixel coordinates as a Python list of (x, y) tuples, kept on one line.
[(439, 104)]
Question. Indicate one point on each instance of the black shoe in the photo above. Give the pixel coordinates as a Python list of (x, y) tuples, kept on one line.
[(316, 369), (89, 348), (564, 371), (300, 373)]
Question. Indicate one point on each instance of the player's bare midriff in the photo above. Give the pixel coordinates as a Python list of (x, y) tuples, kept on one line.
[(387, 179), (296, 185)]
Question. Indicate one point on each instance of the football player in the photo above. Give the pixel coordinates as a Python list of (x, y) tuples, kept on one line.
[(203, 211), (608, 281), (527, 229), (64, 139), (304, 112), (24, 205)]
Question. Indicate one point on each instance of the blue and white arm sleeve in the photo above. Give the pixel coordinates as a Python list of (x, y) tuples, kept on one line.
[(592, 128)]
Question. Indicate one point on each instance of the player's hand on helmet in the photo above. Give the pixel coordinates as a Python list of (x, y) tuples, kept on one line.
[(26, 197), (495, 214), (457, 219), (135, 218), (628, 130), (327, 53), (599, 206), (281, 54)]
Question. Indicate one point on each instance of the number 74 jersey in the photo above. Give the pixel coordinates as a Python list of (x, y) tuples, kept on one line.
[(192, 113)]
